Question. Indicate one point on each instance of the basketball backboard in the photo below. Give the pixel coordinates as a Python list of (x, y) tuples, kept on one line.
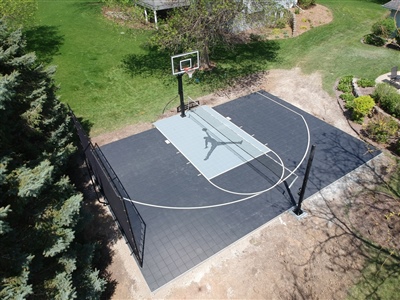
[(180, 62)]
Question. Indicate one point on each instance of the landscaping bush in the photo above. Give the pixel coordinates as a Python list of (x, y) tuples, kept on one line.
[(345, 85), (346, 79), (374, 40), (382, 130), (384, 28), (387, 98), (347, 97), (306, 3), (361, 106), (364, 82), (345, 88), (281, 23)]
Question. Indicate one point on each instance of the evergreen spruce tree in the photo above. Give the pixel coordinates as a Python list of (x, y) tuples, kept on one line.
[(39, 207)]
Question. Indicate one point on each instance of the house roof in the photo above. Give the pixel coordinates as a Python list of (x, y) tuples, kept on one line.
[(163, 4), (393, 5)]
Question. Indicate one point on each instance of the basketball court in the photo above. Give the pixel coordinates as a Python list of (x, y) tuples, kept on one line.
[(203, 181)]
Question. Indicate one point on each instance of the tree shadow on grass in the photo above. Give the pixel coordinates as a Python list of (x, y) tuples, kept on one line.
[(86, 124), (238, 62), (154, 63), (256, 51), (230, 64), (88, 6), (45, 41), (381, 2)]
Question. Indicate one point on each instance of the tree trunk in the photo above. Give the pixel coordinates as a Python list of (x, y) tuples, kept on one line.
[(206, 57)]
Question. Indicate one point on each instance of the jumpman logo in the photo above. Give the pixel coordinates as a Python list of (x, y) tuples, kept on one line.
[(214, 143)]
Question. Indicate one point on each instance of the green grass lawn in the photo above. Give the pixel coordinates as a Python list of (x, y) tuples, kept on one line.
[(91, 73), (335, 49), (110, 80)]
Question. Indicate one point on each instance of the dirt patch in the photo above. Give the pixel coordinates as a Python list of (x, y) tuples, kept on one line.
[(303, 21), (127, 17), (382, 224), (310, 18), (305, 92)]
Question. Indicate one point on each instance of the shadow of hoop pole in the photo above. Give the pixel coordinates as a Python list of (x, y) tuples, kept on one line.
[(297, 211)]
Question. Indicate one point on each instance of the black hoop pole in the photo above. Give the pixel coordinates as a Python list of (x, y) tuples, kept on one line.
[(180, 91), (298, 210)]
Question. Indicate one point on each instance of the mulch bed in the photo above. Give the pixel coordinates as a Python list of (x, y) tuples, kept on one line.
[(359, 129)]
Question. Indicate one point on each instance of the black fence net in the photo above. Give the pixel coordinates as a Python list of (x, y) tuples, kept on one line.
[(127, 216)]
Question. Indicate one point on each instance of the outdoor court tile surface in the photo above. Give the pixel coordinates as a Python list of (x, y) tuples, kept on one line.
[(155, 172), (209, 141)]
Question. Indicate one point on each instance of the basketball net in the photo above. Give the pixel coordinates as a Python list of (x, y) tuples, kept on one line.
[(189, 71)]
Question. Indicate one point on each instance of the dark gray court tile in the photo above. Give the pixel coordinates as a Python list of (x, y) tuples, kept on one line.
[(177, 272), (152, 171), (182, 268)]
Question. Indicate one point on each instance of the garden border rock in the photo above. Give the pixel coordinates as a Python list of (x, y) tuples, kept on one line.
[(358, 128)]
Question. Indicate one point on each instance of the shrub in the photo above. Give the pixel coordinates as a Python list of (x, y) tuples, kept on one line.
[(364, 82), (349, 104), (346, 79), (382, 129), (345, 85), (345, 88), (388, 98), (384, 28), (375, 40), (347, 97), (361, 107), (255, 37), (306, 3), (281, 23), (276, 31)]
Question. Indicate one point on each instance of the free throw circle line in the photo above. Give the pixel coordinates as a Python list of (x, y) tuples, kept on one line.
[(241, 199), (281, 179)]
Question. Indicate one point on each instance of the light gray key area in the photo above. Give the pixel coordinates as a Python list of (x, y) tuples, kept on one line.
[(211, 143)]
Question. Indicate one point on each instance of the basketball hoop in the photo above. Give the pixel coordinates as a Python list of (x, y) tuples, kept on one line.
[(189, 71)]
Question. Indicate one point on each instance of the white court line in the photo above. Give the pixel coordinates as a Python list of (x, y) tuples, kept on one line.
[(241, 199), (290, 172), (236, 129), (305, 123), (259, 192), (244, 160)]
